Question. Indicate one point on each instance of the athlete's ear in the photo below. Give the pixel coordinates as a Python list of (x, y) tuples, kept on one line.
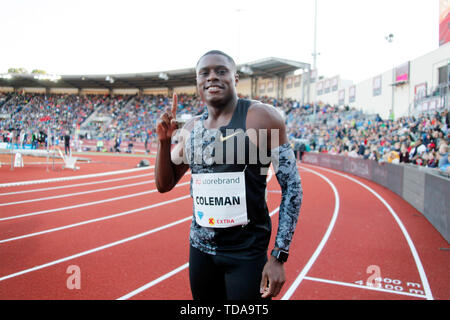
[(236, 78)]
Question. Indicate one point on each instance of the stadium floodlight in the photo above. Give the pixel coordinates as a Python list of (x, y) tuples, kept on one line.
[(50, 77), (389, 37), (246, 70), (315, 54), (163, 76), (6, 76), (109, 79)]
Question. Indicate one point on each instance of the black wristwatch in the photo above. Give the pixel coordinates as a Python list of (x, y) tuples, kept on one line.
[(280, 255)]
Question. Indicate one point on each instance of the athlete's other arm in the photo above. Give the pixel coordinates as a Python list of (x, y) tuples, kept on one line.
[(283, 160), (170, 166)]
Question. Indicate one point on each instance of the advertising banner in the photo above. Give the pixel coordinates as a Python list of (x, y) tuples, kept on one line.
[(402, 73), (420, 91), (342, 96), (352, 94), (444, 22), (376, 84)]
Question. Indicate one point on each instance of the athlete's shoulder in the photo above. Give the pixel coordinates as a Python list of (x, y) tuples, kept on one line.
[(189, 124), (183, 133), (262, 115)]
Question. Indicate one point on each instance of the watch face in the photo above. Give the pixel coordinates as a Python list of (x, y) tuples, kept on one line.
[(282, 256)]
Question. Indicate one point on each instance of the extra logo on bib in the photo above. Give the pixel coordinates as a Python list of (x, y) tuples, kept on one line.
[(219, 199)]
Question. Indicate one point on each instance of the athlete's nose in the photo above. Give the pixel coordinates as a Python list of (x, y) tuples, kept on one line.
[(212, 76)]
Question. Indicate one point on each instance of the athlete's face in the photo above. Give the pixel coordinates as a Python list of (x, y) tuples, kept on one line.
[(216, 79)]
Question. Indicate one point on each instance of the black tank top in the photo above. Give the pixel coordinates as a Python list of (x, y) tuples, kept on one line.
[(252, 239)]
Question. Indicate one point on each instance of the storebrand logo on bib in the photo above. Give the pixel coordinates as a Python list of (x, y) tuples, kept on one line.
[(200, 214), (218, 181)]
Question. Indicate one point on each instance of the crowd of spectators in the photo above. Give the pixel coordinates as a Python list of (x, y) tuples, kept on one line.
[(422, 140), (134, 117), (31, 116)]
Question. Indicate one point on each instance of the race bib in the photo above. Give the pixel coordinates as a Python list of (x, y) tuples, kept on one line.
[(219, 199)]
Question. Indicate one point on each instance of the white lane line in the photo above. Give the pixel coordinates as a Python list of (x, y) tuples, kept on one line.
[(77, 193), (416, 257), (77, 184), (346, 284), (25, 163), (319, 248), (84, 253), (154, 282), (94, 175), (82, 204), (29, 235), (165, 276)]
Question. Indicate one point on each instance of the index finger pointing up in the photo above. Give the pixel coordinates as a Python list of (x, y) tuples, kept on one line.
[(174, 105)]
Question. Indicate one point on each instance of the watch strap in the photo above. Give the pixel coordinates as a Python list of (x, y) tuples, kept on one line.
[(280, 255)]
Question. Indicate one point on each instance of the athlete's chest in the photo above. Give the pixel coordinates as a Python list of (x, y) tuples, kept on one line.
[(226, 145)]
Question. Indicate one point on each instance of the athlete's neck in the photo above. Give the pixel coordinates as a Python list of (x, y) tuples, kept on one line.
[(219, 115)]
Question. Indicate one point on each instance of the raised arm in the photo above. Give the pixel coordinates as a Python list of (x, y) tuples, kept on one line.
[(168, 172)]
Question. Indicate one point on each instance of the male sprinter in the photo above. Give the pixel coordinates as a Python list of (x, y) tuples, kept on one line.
[(231, 226)]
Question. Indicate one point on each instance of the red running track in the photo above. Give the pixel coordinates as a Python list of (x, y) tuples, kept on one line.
[(120, 239)]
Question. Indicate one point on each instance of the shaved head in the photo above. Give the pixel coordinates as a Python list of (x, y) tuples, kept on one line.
[(230, 59)]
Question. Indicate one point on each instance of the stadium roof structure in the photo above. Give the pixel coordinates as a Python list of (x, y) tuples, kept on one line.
[(267, 68)]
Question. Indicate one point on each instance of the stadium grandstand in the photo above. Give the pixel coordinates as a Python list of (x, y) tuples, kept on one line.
[(121, 110)]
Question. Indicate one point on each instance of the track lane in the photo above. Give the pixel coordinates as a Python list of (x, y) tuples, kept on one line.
[(60, 201), (426, 239), (86, 209), (172, 285), (365, 235), (330, 224), (175, 287), (315, 216), (272, 196), (67, 187), (107, 273), (39, 271), (28, 252), (23, 184), (100, 165)]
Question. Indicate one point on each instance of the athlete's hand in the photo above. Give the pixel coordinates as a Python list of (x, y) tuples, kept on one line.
[(273, 278), (167, 124)]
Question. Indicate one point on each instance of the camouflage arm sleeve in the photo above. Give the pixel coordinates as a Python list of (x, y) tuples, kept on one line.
[(285, 166)]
